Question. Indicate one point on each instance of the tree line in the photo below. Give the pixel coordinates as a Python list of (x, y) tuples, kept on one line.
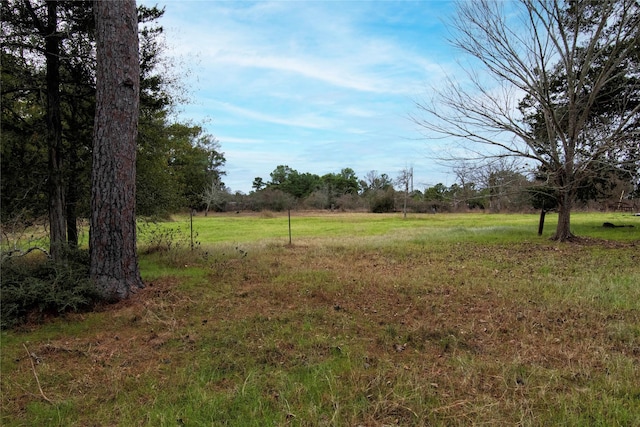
[(495, 186), (552, 86)]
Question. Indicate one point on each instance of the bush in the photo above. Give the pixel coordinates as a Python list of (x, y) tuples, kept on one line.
[(382, 202), (39, 286), (272, 200)]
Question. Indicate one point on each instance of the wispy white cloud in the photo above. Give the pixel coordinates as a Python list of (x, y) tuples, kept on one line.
[(312, 121), (344, 76), (313, 84), (311, 40)]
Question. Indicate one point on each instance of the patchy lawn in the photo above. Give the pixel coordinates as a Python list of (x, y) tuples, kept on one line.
[(372, 331)]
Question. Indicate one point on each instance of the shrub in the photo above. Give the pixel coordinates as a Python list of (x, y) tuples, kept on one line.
[(271, 199), (382, 202), (39, 286)]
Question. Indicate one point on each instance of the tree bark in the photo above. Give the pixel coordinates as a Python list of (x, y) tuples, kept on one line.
[(57, 223), (563, 229), (72, 199), (114, 260)]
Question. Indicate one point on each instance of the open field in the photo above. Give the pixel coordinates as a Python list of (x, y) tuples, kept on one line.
[(365, 319)]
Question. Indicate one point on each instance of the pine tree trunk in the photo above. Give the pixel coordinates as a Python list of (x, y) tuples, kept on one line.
[(57, 223), (114, 261)]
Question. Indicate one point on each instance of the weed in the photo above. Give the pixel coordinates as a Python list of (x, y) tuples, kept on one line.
[(154, 237)]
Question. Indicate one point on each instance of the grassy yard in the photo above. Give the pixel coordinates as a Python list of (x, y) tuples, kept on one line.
[(364, 320)]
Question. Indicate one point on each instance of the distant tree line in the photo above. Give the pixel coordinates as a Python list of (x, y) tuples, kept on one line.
[(496, 186)]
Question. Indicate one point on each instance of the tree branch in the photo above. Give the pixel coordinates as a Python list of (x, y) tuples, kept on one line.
[(33, 369)]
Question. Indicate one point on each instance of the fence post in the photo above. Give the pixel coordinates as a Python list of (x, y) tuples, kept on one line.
[(289, 226)]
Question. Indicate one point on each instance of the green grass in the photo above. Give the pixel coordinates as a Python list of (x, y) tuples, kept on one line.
[(481, 227), (365, 320)]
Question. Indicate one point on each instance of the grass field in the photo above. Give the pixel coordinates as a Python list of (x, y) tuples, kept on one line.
[(364, 320)]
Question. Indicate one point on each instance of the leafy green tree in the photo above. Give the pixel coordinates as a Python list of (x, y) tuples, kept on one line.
[(176, 162), (301, 185), (34, 31), (345, 182), (290, 181), (335, 185), (280, 175), (24, 154), (195, 161), (436, 193), (258, 184), (24, 117)]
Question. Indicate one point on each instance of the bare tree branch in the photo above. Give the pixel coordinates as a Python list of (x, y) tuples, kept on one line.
[(540, 73)]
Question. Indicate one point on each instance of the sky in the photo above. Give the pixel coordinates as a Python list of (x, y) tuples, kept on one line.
[(315, 85)]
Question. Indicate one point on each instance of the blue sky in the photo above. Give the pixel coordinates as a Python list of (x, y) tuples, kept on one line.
[(315, 85)]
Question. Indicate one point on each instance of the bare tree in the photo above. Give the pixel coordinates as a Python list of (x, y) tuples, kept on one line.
[(112, 243), (501, 180), (405, 180), (215, 195), (374, 181), (465, 173), (550, 67)]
